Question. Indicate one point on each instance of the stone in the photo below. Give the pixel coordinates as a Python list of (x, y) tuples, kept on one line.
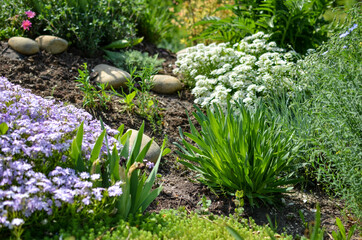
[(181, 52), (52, 44), (166, 84), (153, 153), (112, 76), (24, 45)]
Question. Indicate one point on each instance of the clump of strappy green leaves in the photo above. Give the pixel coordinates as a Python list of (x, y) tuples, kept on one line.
[(126, 166), (239, 150)]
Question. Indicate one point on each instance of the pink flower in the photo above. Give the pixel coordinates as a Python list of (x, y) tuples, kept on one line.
[(26, 24), (30, 14)]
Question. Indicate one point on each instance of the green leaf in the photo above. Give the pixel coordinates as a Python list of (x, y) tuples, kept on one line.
[(76, 150), (3, 128), (97, 147), (123, 43), (234, 233), (166, 151), (130, 97), (137, 41)]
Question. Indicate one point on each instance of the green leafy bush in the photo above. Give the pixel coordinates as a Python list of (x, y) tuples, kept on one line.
[(299, 24), (326, 116), (88, 24), (239, 150), (154, 22), (128, 60)]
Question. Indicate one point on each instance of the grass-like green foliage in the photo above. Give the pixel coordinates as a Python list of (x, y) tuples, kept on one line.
[(326, 116), (154, 22), (173, 224), (239, 150), (297, 23), (86, 24), (128, 60), (93, 97), (137, 191)]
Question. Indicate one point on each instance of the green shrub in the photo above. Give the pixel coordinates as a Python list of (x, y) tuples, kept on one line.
[(326, 116), (299, 24), (239, 150), (87, 24), (128, 60), (154, 22)]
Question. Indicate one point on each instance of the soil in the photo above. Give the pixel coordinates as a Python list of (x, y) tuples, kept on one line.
[(53, 76)]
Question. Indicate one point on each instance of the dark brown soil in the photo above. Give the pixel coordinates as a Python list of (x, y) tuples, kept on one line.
[(52, 76)]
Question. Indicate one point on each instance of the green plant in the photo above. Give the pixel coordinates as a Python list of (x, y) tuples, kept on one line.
[(326, 115), (129, 60), (125, 166), (139, 98), (239, 150), (137, 190), (239, 203), (204, 204), (88, 24), (341, 234), (92, 97), (294, 23), (17, 20), (154, 22)]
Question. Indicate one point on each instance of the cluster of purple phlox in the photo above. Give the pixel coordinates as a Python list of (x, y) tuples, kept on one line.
[(39, 127), (26, 191)]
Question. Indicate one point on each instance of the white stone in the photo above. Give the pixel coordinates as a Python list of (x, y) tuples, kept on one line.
[(52, 44), (153, 152), (181, 51), (112, 76), (166, 84), (24, 45)]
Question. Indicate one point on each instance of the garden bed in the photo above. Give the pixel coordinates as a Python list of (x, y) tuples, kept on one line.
[(53, 77)]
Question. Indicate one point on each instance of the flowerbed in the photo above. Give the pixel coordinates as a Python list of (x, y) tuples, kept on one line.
[(36, 136)]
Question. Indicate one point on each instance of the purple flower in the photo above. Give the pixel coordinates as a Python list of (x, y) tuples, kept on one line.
[(115, 190), (149, 164), (348, 31)]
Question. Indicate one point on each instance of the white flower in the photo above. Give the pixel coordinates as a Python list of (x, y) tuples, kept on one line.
[(251, 66)]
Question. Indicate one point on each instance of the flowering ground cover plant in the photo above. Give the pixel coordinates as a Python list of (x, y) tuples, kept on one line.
[(248, 70), (40, 128), (35, 138)]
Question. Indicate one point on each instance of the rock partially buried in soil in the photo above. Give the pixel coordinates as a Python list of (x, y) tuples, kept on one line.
[(52, 44), (24, 45), (152, 153), (112, 76), (166, 84)]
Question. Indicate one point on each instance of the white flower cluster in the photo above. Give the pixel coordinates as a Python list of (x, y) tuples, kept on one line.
[(246, 71)]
